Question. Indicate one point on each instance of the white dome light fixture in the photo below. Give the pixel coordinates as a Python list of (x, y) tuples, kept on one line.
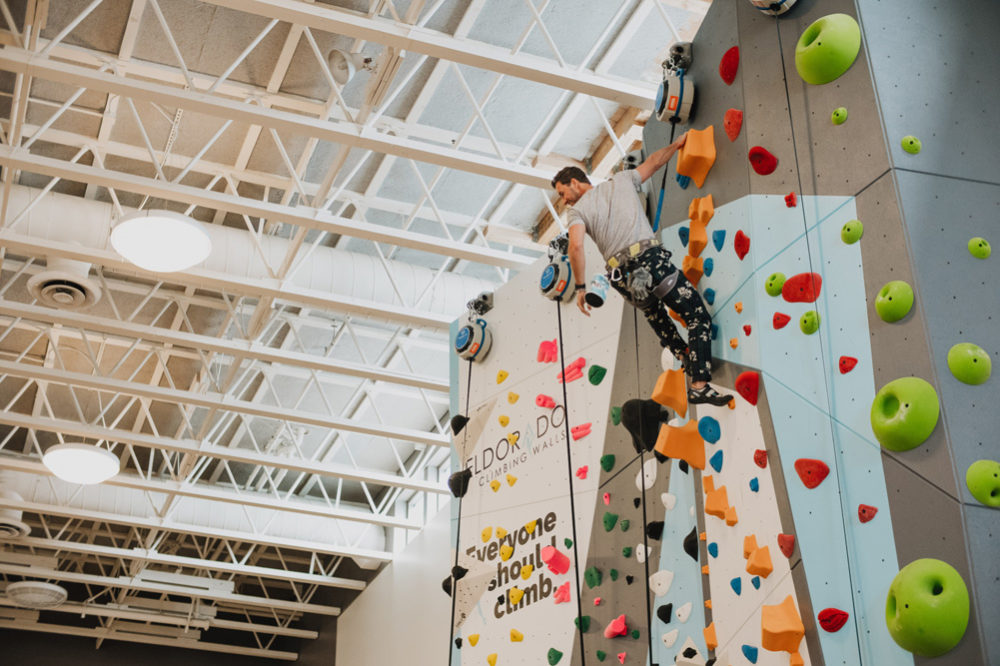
[(160, 241), (86, 464)]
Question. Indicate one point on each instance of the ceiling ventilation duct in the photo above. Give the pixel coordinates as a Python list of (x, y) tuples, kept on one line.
[(11, 525), (65, 284), (36, 594)]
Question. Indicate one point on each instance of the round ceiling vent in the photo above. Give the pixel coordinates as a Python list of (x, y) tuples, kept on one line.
[(65, 284), (11, 525), (36, 594)]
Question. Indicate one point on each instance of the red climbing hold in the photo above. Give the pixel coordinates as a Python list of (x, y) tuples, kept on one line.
[(581, 472), (617, 627), (580, 431), (747, 329), (802, 288), (762, 161), (832, 619), (760, 458), (732, 122), (790, 200), (741, 243), (847, 364), (866, 512), (729, 64), (748, 385), (545, 401), (786, 543), (780, 320), (811, 471)]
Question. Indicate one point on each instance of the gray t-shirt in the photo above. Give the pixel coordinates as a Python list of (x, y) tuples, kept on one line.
[(612, 213)]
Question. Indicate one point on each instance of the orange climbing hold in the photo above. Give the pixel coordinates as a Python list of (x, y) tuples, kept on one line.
[(731, 517), (701, 209), (697, 238), (717, 502), (734, 342), (684, 443), (781, 627), (693, 268), (704, 570), (759, 563), (711, 640), (708, 483), (671, 391), (797, 660), (696, 157), (749, 545)]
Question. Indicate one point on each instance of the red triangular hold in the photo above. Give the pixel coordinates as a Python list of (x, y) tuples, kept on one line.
[(748, 386), (763, 162), (847, 364), (866, 512), (729, 64), (746, 329), (732, 122), (802, 288), (811, 471), (791, 200), (741, 243), (780, 320), (832, 619), (760, 458), (786, 542)]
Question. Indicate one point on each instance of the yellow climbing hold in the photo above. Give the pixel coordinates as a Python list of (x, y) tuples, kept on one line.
[(530, 527), (487, 533), (512, 438), (492, 659), (504, 421), (526, 571), (473, 639), (502, 375), (511, 479), (506, 551), (515, 595), (501, 532), (516, 636), (495, 485), (512, 397)]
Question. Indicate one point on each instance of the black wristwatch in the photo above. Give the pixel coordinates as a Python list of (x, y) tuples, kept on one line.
[(581, 285)]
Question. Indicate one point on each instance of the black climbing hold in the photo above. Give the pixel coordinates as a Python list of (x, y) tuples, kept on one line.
[(629, 580), (458, 422), (690, 652), (710, 662), (660, 458), (642, 418), (458, 642), (636, 502), (501, 599), (683, 466), (446, 585), (665, 612), (458, 572), (458, 482), (654, 530), (691, 544)]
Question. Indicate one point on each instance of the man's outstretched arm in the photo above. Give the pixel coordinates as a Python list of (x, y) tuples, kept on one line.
[(578, 263), (659, 158)]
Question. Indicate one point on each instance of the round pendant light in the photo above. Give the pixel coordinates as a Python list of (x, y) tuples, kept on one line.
[(160, 241), (81, 463)]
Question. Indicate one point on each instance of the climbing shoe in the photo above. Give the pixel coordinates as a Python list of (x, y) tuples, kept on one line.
[(708, 395)]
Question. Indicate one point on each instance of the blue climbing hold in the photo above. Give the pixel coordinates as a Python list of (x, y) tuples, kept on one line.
[(736, 584), (719, 239), (708, 266), (709, 429), (683, 181), (713, 549), (709, 296), (756, 582), (716, 461), (683, 232), (754, 483), (750, 652), (715, 331)]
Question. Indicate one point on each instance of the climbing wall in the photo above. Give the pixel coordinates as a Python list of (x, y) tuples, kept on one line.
[(922, 70)]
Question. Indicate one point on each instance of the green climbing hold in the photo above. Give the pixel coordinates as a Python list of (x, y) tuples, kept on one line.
[(583, 623), (613, 574), (969, 363), (635, 633), (627, 551), (616, 415), (983, 480), (568, 542), (608, 462), (625, 524), (609, 520), (554, 656), (979, 247), (601, 655), (852, 232), (809, 322), (827, 48), (592, 576), (775, 281), (911, 144), (839, 115), (894, 301), (904, 413), (596, 374)]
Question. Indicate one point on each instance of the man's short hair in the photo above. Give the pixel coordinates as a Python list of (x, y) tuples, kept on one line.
[(566, 174)]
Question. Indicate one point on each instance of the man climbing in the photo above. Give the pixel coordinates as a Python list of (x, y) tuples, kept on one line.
[(638, 266)]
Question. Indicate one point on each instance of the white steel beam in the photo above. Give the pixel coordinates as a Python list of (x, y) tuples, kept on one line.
[(27, 63), (190, 446), (446, 47)]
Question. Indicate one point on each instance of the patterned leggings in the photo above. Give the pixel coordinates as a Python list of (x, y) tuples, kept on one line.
[(683, 299)]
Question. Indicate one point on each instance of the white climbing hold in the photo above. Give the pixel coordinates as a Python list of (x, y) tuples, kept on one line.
[(669, 500), (670, 638), (694, 660), (646, 477), (684, 612), (661, 581), (691, 511), (641, 551)]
